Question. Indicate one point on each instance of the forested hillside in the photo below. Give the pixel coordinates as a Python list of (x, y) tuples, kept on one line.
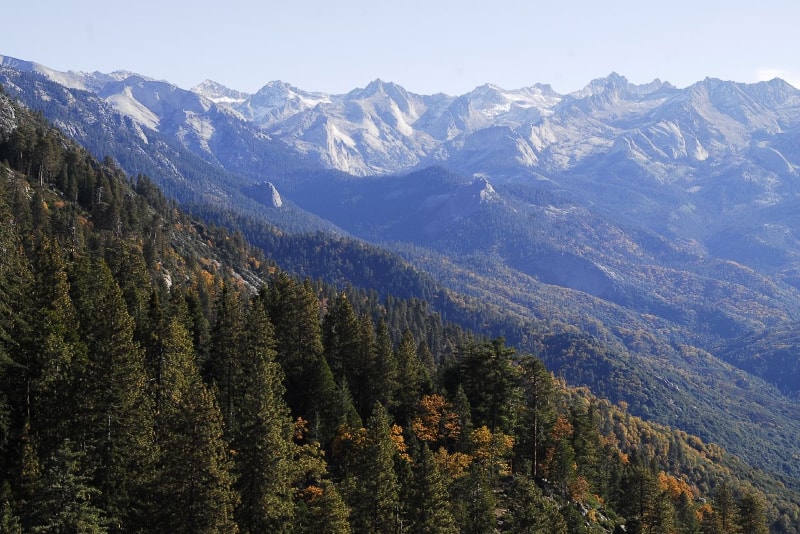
[(160, 374)]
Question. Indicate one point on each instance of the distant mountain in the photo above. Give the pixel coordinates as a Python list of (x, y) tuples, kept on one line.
[(665, 133), (218, 93), (382, 128)]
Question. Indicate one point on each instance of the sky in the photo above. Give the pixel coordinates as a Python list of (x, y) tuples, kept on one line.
[(427, 46)]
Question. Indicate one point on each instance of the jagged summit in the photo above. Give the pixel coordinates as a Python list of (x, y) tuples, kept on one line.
[(216, 92), (384, 129), (619, 85)]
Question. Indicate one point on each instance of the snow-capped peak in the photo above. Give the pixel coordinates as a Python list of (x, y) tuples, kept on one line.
[(619, 85), (277, 94), (218, 93)]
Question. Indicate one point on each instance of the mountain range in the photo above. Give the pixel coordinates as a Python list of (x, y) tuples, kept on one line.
[(634, 236)]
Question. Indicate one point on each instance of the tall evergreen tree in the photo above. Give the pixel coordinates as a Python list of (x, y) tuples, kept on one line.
[(371, 488), (39, 382), (319, 506), (263, 439), (223, 368), (537, 412), (384, 383), (490, 382), (411, 378), (645, 506), (117, 414), (529, 512), (686, 521), (726, 514), (752, 515), (429, 509), (340, 337), (364, 371), (311, 392), (474, 502), (14, 284), (65, 500), (323, 512), (195, 484), (9, 520)]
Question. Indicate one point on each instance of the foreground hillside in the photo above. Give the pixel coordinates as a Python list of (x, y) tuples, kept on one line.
[(159, 374)]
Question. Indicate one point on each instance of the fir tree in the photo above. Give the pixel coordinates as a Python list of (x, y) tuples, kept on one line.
[(223, 366), (9, 515), (116, 412), (537, 412), (529, 512), (371, 487), (490, 382), (195, 484), (686, 521), (411, 378), (65, 500), (752, 516), (263, 439), (14, 285), (311, 391), (726, 514), (323, 511), (340, 336), (385, 378), (474, 502), (50, 349), (430, 502), (645, 506)]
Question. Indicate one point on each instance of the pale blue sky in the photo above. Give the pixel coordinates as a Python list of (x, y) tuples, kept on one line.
[(427, 46)]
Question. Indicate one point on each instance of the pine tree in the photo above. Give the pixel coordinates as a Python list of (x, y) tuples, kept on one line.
[(726, 509), (65, 500), (153, 341), (311, 392), (411, 378), (340, 336), (462, 408), (41, 336), (752, 515), (528, 511), (223, 366), (384, 382), (430, 506), (116, 412), (538, 412), (686, 521), (560, 466), (195, 485), (474, 502), (263, 439), (130, 271), (364, 371), (49, 349), (324, 513), (490, 382), (645, 506), (371, 488), (9, 521), (585, 439), (15, 283), (319, 506)]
